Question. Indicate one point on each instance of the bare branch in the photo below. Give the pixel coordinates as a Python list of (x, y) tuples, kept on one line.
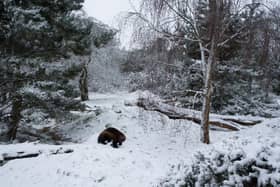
[(221, 44)]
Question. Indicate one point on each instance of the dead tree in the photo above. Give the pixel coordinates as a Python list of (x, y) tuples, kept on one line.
[(264, 60), (83, 82), (15, 116)]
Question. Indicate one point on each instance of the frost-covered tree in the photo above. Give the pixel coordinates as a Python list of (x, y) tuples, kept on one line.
[(105, 69), (44, 45), (45, 28), (208, 27)]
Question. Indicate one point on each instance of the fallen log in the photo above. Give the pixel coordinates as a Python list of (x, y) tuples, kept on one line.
[(244, 123), (8, 158), (5, 157), (219, 123)]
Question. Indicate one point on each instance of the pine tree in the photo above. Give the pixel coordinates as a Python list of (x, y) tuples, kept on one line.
[(42, 50)]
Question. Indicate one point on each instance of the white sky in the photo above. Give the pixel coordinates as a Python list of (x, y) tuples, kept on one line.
[(106, 10)]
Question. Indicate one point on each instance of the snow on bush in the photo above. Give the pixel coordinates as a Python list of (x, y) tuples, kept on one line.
[(229, 169)]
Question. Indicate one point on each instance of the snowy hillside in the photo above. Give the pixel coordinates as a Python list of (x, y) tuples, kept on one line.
[(154, 145)]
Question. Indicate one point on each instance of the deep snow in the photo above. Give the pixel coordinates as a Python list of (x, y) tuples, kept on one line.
[(154, 145)]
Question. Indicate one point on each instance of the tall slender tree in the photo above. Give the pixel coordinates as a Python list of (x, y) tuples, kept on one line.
[(206, 23)]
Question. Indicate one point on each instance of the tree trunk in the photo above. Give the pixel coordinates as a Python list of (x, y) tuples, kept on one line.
[(15, 116), (249, 49), (202, 56), (251, 28), (83, 84), (214, 6), (207, 99), (264, 62)]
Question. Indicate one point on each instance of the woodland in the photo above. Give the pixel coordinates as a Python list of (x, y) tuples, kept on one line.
[(200, 76)]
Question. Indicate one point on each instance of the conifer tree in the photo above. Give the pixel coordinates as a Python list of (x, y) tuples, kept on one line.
[(42, 50)]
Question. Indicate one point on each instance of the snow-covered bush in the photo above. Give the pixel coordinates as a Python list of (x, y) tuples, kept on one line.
[(231, 169), (104, 71)]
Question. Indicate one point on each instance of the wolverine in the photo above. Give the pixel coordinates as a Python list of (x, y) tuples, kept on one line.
[(113, 135)]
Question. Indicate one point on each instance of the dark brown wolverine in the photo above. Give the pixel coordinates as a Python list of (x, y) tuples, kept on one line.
[(113, 135)]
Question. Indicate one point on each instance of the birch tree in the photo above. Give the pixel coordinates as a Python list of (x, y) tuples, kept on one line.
[(180, 20)]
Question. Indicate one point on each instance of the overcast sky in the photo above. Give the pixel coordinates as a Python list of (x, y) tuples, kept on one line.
[(106, 10)]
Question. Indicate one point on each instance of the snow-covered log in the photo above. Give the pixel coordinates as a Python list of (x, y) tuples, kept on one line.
[(217, 122), (7, 156)]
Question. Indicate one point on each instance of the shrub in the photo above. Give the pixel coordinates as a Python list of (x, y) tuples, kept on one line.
[(237, 169)]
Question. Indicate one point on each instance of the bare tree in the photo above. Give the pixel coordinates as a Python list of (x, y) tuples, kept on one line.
[(264, 59), (171, 18), (83, 81), (15, 116), (269, 52)]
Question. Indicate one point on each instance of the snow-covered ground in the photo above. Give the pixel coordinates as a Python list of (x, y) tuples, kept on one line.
[(154, 144)]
